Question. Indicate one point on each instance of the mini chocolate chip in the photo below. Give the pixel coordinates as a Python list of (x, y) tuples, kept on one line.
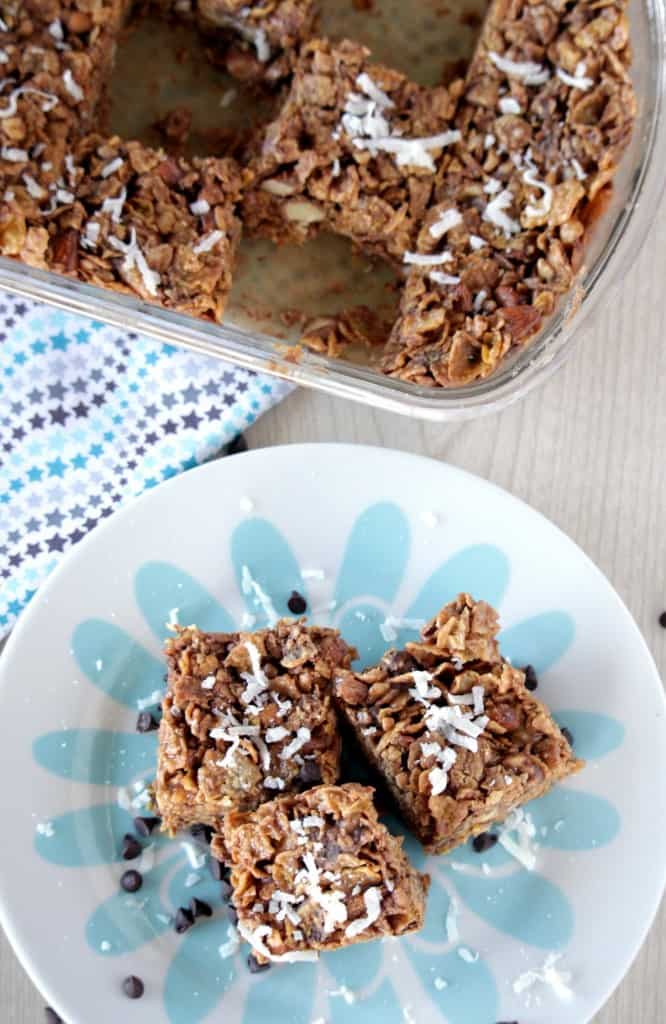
[(51, 1017), (131, 881), (144, 826), (568, 735), (309, 773), (662, 619), (202, 833), (233, 916), (198, 908), (255, 966), (226, 889), (531, 678), (145, 722), (239, 444), (297, 603), (133, 987), (131, 848), (183, 920), (484, 841)]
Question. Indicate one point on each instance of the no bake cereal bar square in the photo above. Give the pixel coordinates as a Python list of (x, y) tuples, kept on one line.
[(247, 716), (452, 730)]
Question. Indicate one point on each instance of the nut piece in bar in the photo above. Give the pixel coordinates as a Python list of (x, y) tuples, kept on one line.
[(262, 36), (352, 150), (547, 111), (139, 221), (318, 871), (247, 717), (452, 729)]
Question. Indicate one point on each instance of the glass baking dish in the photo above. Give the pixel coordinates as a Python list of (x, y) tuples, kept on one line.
[(324, 276)]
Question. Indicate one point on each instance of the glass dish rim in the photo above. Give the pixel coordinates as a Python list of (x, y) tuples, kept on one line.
[(263, 354)]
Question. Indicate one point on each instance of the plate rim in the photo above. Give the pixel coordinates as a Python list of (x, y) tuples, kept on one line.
[(212, 467)]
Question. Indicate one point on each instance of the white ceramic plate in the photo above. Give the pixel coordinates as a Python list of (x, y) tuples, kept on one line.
[(394, 534)]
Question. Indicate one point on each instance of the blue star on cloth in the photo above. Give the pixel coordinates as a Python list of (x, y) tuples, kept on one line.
[(91, 417)]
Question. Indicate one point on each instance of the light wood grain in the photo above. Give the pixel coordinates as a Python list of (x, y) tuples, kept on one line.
[(588, 450)]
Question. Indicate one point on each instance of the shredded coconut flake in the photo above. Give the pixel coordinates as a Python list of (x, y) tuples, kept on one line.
[(440, 983), (200, 207), (150, 701), (208, 683), (12, 154), (509, 105), (72, 86), (443, 279), (549, 975), (421, 259), (302, 737), (388, 628), (90, 235), (578, 170), (250, 587), (528, 71), (33, 187), (135, 259), (579, 80), (256, 937), (479, 300), (495, 213), (208, 242), (231, 946), (113, 205), (467, 955), (373, 905), (273, 782), (450, 218), (517, 836), (46, 829), (50, 101)]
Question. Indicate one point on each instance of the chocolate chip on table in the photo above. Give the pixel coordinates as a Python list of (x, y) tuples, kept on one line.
[(568, 735), (255, 966), (131, 848), (484, 841), (531, 678), (297, 603), (144, 826), (199, 908), (183, 920), (131, 881), (202, 833), (662, 619), (51, 1017), (145, 722), (133, 987), (226, 889), (309, 773)]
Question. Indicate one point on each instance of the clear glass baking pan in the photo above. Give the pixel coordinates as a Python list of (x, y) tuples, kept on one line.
[(160, 66)]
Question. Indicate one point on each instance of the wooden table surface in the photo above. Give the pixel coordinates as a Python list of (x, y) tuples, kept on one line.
[(589, 451)]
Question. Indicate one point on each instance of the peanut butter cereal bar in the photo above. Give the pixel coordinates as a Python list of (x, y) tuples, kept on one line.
[(452, 730), (546, 114), (353, 150), (317, 871), (246, 717)]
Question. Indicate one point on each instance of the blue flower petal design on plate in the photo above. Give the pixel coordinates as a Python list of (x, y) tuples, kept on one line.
[(197, 977), (594, 735), (160, 587), (574, 820), (126, 921), (482, 570), (540, 641), (524, 905), (115, 663), (285, 993), (86, 837), (380, 1007), (96, 756), (355, 966), (257, 544)]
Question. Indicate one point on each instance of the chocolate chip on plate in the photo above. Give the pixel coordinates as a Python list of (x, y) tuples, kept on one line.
[(531, 678), (226, 888), (199, 908), (131, 881), (484, 841), (568, 735), (202, 833), (233, 916), (183, 920), (217, 869), (255, 966), (133, 987), (145, 722), (51, 1017), (297, 603), (131, 848), (309, 773), (145, 826), (662, 619)]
